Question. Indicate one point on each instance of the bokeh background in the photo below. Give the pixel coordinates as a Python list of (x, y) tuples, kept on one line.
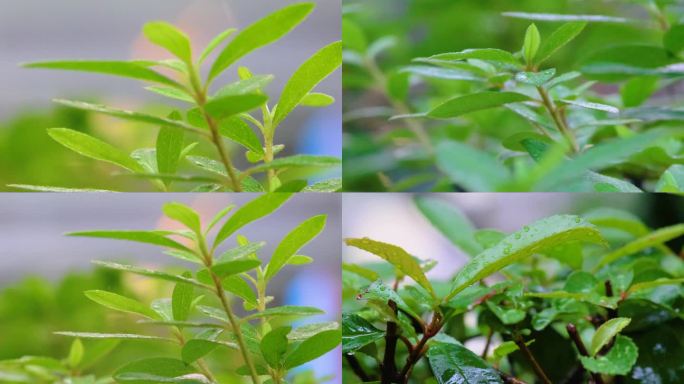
[(43, 273), (33, 30)]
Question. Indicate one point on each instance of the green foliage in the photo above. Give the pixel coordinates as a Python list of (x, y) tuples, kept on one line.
[(214, 116), (202, 318), (548, 109), (544, 300)]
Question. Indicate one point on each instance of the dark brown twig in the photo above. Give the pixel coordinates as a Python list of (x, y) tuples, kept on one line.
[(485, 352), (612, 313), (508, 379), (389, 366), (356, 367), (574, 335), (530, 357)]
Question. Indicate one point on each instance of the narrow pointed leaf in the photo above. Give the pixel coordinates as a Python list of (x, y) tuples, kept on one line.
[(120, 303), (170, 38), (558, 39), (181, 300), (606, 332), (274, 346), (93, 148), (285, 310), (148, 237), (455, 364), (543, 234), (396, 256), (184, 215), (231, 105), (296, 161), (471, 168), (293, 242), (240, 132), (308, 75), (312, 348), (652, 239), (169, 148), (215, 42), (254, 210), (261, 33), (149, 273), (131, 69), (475, 102), (451, 222)]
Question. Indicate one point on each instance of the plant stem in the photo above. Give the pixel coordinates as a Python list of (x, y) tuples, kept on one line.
[(389, 365), (612, 313), (574, 335), (530, 357), (417, 352), (201, 100), (558, 118), (399, 106), (236, 329), (508, 379), (485, 352), (356, 367)]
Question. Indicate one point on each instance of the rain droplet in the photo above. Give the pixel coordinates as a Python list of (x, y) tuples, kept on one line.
[(526, 228)]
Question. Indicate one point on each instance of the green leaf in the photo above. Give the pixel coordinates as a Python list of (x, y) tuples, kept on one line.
[(306, 331), (215, 42), (120, 303), (396, 256), (113, 336), (150, 273), (606, 332), (674, 39), (353, 36), (637, 90), (331, 185), (234, 267), (97, 350), (184, 215), (148, 237), (598, 157), (308, 75), (274, 346), (169, 149), (538, 236), (366, 273), (47, 188), (621, 62), (231, 105), (455, 364), (182, 300), (357, 332), (487, 54), (654, 283), (531, 44), (254, 210), (672, 180), (652, 239), (293, 242), (261, 33), (235, 129), (312, 348), (317, 100), (251, 84), (618, 361), (470, 168), (170, 38), (172, 93), (219, 216), (75, 353), (451, 222), (154, 370), (558, 39), (93, 148), (285, 310), (568, 18), (296, 161), (240, 288), (131, 69), (461, 105), (535, 78), (128, 115), (594, 106), (196, 349)]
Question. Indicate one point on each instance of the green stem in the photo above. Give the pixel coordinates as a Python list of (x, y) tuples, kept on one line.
[(558, 118), (400, 107), (235, 325), (201, 100)]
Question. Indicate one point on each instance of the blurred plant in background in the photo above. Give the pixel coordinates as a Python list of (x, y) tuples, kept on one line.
[(513, 106)]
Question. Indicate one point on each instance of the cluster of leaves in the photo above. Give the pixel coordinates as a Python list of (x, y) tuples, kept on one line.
[(568, 126), (566, 299), (225, 113), (200, 318)]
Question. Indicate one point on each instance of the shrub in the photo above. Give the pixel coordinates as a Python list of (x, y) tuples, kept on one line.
[(212, 115), (201, 318), (564, 299), (488, 119)]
